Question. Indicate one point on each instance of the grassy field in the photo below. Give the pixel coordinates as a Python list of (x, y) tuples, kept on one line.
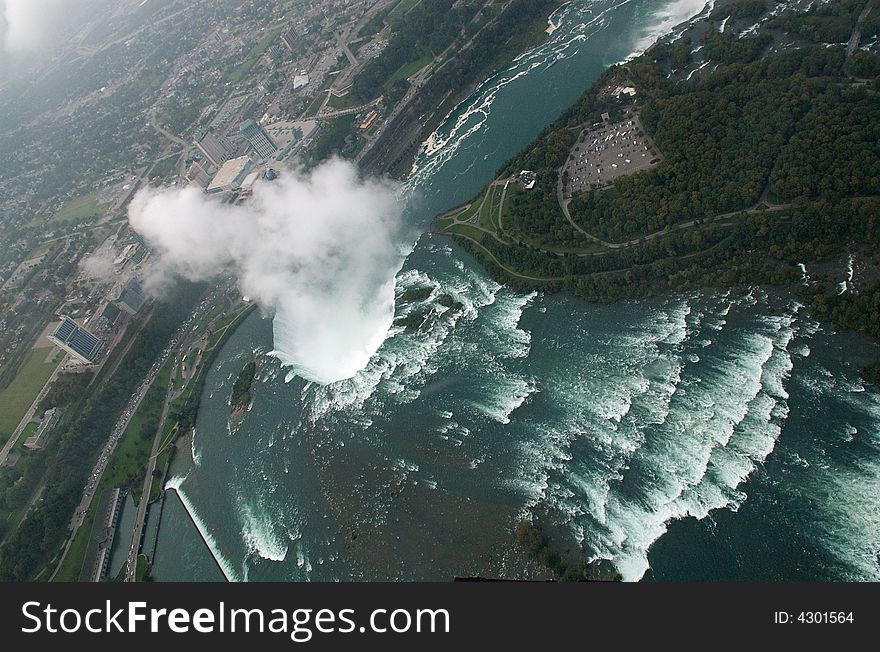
[(29, 431), (142, 568), (164, 167), (79, 209), (341, 103), (408, 70), (469, 231), (484, 213), (21, 392)]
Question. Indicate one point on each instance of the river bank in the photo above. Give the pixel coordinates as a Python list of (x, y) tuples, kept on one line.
[(622, 426)]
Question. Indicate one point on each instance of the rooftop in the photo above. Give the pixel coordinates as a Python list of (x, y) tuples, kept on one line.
[(230, 172)]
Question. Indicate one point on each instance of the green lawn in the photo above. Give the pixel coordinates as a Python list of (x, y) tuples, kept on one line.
[(408, 70), (489, 211), (80, 209), (29, 431), (142, 568), (467, 230), (204, 321), (21, 392), (164, 167), (340, 103)]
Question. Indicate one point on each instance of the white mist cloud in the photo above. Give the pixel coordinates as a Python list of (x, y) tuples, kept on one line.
[(321, 250), (27, 25), (99, 265)]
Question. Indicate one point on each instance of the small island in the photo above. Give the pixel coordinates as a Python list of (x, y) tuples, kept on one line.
[(241, 393)]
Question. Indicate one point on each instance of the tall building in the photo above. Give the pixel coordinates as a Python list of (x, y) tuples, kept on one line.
[(231, 175), (290, 37), (131, 298), (262, 143), (77, 341), (212, 149), (197, 176)]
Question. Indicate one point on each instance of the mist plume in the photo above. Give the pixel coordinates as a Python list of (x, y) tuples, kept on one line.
[(320, 250)]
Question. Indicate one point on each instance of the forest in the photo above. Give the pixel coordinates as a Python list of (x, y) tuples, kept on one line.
[(44, 529), (424, 31), (827, 22), (769, 161)]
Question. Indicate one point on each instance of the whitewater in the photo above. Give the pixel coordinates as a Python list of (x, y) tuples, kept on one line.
[(655, 434)]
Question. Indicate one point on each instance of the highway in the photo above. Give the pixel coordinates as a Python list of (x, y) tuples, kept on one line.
[(121, 425), (131, 562), (170, 396)]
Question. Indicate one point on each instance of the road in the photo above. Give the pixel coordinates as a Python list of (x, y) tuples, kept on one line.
[(348, 53), (542, 279), (856, 37), (170, 396), (119, 429), (131, 563), (29, 415), (351, 111), (154, 123), (763, 205)]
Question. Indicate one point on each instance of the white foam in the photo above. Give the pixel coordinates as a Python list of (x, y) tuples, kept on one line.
[(665, 19), (175, 484), (695, 437), (509, 394), (405, 360), (259, 533), (196, 454)]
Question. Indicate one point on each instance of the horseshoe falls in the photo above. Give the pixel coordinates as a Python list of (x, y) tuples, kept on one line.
[(708, 436)]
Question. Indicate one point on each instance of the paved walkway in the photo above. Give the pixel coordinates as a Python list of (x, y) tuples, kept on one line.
[(856, 37)]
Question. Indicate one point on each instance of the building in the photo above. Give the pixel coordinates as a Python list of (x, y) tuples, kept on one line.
[(231, 175), (97, 560), (138, 238), (197, 176), (125, 254), (262, 143), (527, 179), (290, 135), (39, 439), (290, 37), (131, 297), (76, 341), (111, 313), (370, 120), (212, 149), (247, 186)]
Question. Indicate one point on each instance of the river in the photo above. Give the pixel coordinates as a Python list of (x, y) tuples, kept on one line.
[(707, 436)]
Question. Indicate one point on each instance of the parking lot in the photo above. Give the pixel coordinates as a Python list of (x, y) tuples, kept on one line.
[(607, 151)]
